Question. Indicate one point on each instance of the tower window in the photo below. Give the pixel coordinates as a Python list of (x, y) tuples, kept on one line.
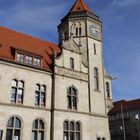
[(78, 31), (17, 90), (72, 98), (95, 49), (71, 63), (65, 34), (96, 78), (108, 90)]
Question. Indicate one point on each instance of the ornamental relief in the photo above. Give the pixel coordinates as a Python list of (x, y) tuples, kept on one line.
[(71, 45), (72, 74)]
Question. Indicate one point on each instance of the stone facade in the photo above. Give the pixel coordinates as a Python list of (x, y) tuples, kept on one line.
[(80, 66)]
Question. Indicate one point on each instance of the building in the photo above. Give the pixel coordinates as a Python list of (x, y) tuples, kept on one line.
[(124, 120), (51, 92)]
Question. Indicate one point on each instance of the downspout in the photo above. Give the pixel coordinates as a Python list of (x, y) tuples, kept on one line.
[(53, 100)]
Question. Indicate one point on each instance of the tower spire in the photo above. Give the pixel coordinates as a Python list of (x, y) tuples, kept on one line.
[(79, 6)]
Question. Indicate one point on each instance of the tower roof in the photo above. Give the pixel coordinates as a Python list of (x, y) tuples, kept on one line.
[(79, 6)]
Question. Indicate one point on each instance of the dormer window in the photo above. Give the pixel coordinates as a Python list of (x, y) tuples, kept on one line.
[(36, 61), (28, 59), (20, 57)]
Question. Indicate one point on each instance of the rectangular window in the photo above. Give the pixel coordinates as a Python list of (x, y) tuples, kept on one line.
[(96, 78), (71, 63), (28, 59), (95, 49), (40, 95), (20, 57), (36, 61), (17, 91)]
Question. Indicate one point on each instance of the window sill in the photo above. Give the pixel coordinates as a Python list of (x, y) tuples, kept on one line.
[(17, 104), (72, 110), (40, 106), (95, 90)]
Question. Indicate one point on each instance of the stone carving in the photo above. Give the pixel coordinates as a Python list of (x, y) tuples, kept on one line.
[(84, 56), (71, 45), (71, 73), (109, 103)]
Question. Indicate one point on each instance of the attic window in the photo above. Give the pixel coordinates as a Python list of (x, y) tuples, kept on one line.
[(28, 59)]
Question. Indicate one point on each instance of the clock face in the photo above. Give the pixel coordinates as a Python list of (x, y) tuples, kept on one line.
[(93, 31)]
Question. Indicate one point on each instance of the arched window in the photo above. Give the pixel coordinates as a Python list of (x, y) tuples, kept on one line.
[(96, 78), (80, 31), (40, 95), (72, 130), (103, 138), (76, 31), (17, 90), (107, 89), (38, 130), (77, 131), (72, 97), (66, 130), (98, 138), (71, 63), (13, 129)]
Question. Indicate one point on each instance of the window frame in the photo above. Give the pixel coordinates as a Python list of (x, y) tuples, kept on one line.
[(17, 89), (71, 132), (72, 98), (38, 129), (96, 79), (14, 128), (40, 93), (72, 63), (108, 90), (95, 49), (25, 55)]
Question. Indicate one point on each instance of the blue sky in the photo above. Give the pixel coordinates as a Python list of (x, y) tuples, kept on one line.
[(121, 33)]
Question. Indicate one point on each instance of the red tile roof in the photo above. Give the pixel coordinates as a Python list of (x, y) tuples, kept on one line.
[(11, 39), (79, 6), (127, 106)]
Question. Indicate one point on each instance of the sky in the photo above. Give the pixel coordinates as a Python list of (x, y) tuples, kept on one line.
[(121, 33)]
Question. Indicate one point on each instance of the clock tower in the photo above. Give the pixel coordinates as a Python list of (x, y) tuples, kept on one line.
[(81, 66)]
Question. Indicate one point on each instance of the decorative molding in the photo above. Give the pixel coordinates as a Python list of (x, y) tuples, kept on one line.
[(71, 73), (109, 103), (71, 45), (84, 113), (25, 67), (24, 106)]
